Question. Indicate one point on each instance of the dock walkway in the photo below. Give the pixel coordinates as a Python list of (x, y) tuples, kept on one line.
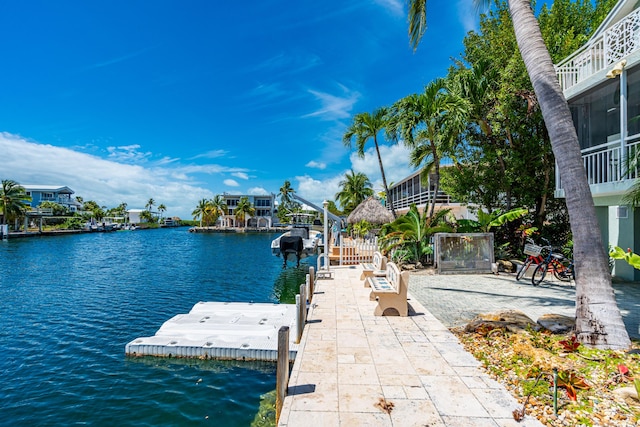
[(350, 363)]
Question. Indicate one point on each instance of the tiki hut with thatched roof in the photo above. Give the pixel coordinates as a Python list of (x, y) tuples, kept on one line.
[(372, 211)]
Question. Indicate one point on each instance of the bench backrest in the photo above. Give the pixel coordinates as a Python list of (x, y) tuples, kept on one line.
[(399, 280), (379, 261)]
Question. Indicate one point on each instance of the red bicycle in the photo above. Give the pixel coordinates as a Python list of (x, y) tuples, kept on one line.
[(534, 256)]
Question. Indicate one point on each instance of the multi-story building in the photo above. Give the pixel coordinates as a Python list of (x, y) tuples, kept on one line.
[(263, 217), (601, 82), (52, 193)]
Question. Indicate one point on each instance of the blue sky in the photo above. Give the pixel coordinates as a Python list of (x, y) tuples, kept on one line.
[(123, 101)]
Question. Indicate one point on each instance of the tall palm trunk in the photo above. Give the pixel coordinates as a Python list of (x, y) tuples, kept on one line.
[(598, 319), (384, 178)]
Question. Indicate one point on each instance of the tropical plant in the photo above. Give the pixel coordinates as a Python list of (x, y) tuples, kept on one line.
[(201, 210), (487, 220), (217, 208), (56, 208), (243, 209), (355, 188), (14, 200), (287, 204), (429, 124), (162, 209), (93, 209), (411, 233), (601, 327), (150, 204), (366, 126)]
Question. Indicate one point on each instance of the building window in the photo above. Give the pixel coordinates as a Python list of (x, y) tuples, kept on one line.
[(596, 115)]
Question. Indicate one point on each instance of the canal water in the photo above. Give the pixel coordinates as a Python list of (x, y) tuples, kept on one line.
[(69, 304)]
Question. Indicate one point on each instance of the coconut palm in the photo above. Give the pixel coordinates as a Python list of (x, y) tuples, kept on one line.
[(150, 204), (14, 200), (161, 208), (218, 207), (366, 126), (356, 187), (201, 210), (243, 209), (598, 319), (429, 123)]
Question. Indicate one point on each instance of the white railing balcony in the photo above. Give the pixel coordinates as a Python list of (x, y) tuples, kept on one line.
[(610, 163), (616, 43), (421, 199)]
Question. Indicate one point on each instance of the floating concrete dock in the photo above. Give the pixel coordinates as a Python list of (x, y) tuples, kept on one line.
[(222, 330)]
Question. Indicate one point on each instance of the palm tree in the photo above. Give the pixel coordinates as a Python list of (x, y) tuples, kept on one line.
[(366, 126), (356, 187), (598, 319), (161, 208), (200, 210), (150, 204), (429, 123), (243, 209), (218, 207), (14, 200)]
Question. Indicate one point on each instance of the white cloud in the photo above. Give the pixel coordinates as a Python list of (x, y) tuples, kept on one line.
[(241, 175), (231, 183), (257, 191), (468, 15), (105, 181), (128, 154), (316, 165), (394, 160), (334, 106), (210, 154), (317, 191)]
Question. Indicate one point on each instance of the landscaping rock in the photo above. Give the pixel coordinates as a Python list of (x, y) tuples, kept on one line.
[(511, 320), (507, 266), (556, 323)]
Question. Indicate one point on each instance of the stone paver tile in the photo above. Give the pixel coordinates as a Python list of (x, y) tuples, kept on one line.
[(413, 392), (455, 354), (354, 355), (320, 418), (436, 366), (469, 421), (359, 397), (312, 362), (355, 419), (358, 373), (351, 338), (475, 382), (396, 368), (391, 392), (314, 346), (499, 403), (386, 355), (418, 413), (317, 396), (321, 334), (404, 380), (528, 421), (452, 397)]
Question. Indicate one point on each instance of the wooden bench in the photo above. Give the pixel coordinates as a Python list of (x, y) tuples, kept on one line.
[(390, 291), (377, 267)]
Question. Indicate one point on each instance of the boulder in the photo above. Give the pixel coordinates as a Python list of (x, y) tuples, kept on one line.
[(511, 320), (557, 323)]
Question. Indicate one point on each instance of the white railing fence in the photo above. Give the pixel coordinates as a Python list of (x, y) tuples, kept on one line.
[(615, 43)]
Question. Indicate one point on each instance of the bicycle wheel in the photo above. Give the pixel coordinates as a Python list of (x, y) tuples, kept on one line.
[(562, 273), (539, 273), (524, 268)]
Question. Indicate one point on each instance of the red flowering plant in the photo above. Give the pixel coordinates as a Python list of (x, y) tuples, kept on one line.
[(571, 382), (571, 344)]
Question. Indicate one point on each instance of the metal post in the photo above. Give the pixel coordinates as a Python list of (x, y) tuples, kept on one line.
[(282, 369), (312, 282), (623, 124), (325, 205)]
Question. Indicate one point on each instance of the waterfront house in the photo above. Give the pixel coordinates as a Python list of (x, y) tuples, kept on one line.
[(263, 217), (134, 216), (601, 82), (52, 193)]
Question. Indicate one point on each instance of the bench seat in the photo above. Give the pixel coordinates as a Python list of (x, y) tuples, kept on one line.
[(390, 291), (375, 268)]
